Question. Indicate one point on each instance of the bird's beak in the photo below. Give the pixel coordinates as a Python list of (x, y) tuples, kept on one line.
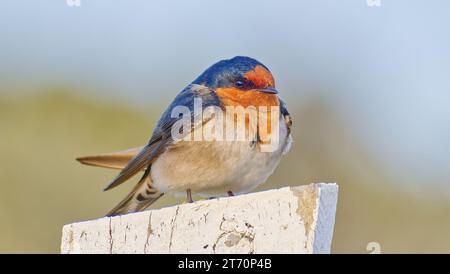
[(270, 90)]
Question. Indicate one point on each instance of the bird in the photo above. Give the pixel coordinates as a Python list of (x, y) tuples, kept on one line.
[(217, 168)]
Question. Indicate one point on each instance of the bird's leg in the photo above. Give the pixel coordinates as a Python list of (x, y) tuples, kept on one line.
[(230, 193), (189, 196)]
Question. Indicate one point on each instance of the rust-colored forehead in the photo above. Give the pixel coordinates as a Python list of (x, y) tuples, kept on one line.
[(260, 77)]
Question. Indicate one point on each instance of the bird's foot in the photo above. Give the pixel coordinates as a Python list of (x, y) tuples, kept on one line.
[(189, 196)]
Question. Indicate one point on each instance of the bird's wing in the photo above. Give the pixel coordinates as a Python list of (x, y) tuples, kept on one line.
[(161, 138), (114, 160), (287, 117), (288, 121)]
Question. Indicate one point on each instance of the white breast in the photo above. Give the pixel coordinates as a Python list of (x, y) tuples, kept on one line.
[(215, 167)]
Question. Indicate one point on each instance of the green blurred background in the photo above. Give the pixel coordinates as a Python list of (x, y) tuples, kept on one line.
[(367, 88)]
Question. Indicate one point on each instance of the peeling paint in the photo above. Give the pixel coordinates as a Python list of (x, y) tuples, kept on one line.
[(173, 227), (149, 231), (71, 242), (111, 239), (232, 239), (307, 204)]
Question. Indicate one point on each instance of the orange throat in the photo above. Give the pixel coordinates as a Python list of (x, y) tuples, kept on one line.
[(236, 97), (232, 97)]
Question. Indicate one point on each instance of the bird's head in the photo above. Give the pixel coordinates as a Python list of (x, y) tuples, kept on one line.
[(239, 74)]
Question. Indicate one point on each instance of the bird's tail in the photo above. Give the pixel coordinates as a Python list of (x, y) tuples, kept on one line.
[(115, 160), (141, 197)]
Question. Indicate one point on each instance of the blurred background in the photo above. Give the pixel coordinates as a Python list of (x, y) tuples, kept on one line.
[(368, 88)]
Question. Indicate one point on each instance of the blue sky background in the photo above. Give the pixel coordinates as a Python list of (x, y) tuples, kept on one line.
[(385, 69)]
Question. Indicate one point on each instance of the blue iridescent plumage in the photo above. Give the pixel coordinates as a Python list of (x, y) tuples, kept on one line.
[(222, 73)]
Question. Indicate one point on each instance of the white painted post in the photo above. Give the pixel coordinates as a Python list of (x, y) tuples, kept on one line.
[(286, 220)]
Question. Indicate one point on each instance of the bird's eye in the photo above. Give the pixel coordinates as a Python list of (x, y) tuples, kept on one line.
[(239, 84)]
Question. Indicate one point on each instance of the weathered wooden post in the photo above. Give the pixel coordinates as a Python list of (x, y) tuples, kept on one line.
[(286, 220)]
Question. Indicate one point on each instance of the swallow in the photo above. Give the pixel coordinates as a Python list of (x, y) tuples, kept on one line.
[(208, 168)]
